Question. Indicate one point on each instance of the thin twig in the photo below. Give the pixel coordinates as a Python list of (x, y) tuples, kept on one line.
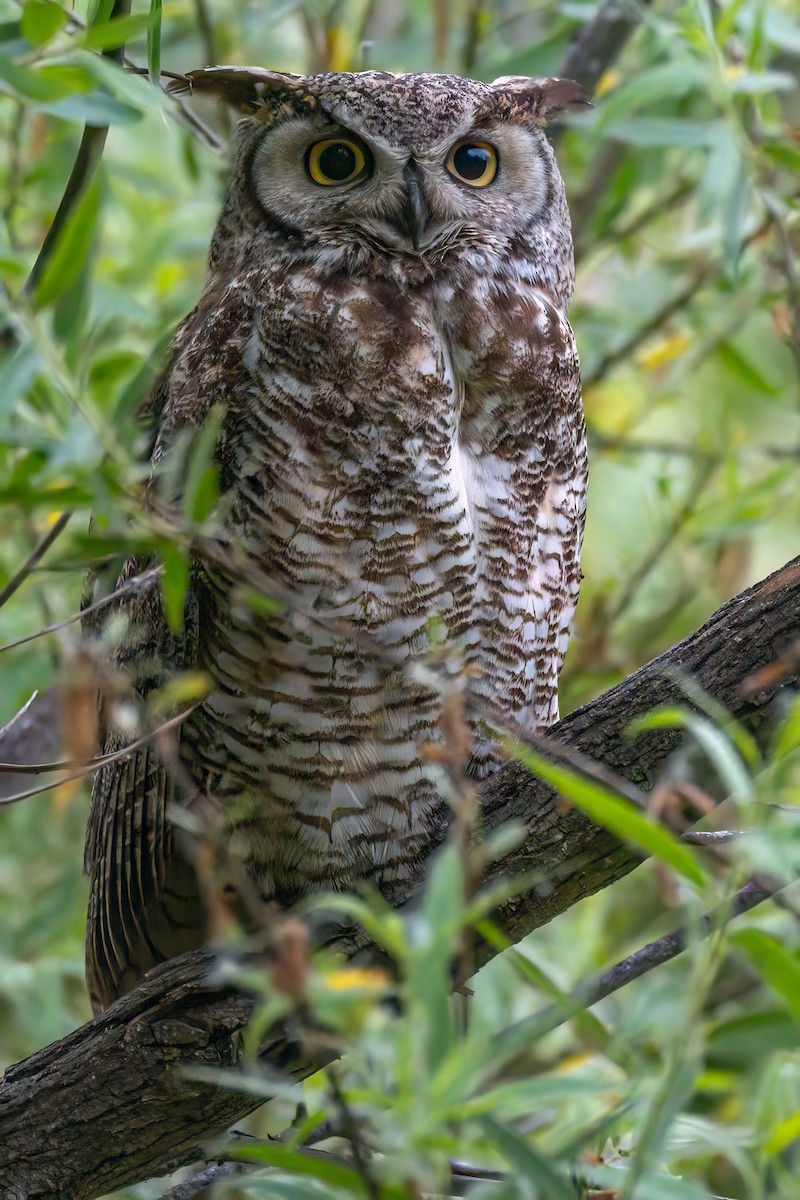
[(712, 837), (642, 961), (698, 484), (621, 445), (703, 275), (206, 27), (791, 275), (89, 154), (93, 765), (58, 526), (136, 584), (352, 1133), (202, 1183)]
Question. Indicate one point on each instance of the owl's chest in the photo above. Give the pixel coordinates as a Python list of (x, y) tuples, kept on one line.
[(372, 380)]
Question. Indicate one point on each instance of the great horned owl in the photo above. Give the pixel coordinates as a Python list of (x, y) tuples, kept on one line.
[(384, 331)]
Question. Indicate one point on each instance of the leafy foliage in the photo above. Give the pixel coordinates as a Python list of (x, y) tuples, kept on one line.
[(684, 191)]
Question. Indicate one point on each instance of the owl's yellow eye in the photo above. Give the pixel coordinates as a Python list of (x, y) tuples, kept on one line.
[(336, 161), (474, 163)]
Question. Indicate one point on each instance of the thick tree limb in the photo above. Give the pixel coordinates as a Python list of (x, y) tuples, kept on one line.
[(109, 1104)]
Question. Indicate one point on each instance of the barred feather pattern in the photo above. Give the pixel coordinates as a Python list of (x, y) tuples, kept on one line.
[(402, 444)]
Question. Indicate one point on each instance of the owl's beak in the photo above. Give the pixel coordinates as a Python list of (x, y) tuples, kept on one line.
[(415, 210)]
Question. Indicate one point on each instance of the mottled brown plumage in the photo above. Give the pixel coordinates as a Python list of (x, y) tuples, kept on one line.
[(401, 443)]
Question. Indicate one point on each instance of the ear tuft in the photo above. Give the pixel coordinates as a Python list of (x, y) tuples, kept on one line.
[(243, 88), (542, 98)]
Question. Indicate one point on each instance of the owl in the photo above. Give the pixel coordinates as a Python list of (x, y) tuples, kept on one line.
[(383, 343)]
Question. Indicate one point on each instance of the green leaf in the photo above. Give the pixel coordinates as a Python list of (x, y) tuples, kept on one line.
[(154, 43), (17, 373), (653, 1185), (174, 585), (779, 969), (47, 84), (673, 1092), (131, 89), (201, 481), (526, 1162), (41, 21), (606, 808), (275, 1154), (74, 244), (782, 1136), (747, 1039), (717, 746), (665, 131), (99, 12), (95, 109), (784, 154), (753, 83), (746, 371), (786, 739), (590, 1026), (116, 32), (664, 81)]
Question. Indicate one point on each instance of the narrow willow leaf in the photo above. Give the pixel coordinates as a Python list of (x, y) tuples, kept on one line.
[(664, 131), (667, 1102), (45, 85), (615, 814), (201, 480), (779, 969), (41, 21), (782, 1136), (526, 1162), (746, 372), (661, 82), (17, 374), (590, 1026), (174, 585), (116, 32), (718, 748), (72, 247), (154, 43), (275, 1154), (787, 736)]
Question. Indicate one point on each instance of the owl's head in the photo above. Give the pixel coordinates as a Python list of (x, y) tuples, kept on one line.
[(401, 166)]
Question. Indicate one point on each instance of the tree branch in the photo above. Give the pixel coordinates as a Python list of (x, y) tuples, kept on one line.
[(89, 154), (110, 1104), (601, 40)]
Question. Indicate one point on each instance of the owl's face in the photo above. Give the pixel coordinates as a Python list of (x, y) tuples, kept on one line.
[(336, 181), (406, 166)]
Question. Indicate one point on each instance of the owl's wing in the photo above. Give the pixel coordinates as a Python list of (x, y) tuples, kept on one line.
[(144, 904), (555, 580), (525, 449), (555, 570)]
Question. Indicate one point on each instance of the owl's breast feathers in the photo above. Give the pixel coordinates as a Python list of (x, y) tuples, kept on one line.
[(393, 457)]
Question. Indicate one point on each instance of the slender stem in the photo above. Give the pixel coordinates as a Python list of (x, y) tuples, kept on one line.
[(34, 558), (93, 765), (351, 1131), (89, 154), (206, 27), (138, 582), (654, 954)]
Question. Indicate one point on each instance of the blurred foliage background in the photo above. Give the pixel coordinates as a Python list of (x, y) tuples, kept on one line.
[(684, 184)]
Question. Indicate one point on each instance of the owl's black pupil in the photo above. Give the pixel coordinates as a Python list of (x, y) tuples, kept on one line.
[(471, 161), (337, 161)]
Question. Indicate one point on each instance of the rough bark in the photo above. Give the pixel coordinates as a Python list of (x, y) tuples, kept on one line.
[(111, 1103)]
